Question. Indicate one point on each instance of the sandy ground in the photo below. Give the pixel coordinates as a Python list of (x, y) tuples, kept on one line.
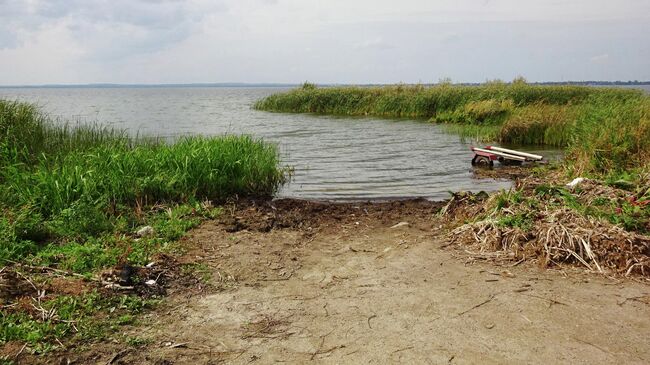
[(299, 282)]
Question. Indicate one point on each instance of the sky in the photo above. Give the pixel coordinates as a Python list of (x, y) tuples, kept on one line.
[(328, 41)]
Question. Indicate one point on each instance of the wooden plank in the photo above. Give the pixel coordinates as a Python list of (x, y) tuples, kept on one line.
[(516, 153), (504, 155)]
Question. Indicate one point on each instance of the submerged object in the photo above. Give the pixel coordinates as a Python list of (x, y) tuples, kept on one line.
[(486, 156)]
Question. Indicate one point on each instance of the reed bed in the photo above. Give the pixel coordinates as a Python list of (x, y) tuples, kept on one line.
[(73, 200), (193, 168), (602, 128), (27, 135), (406, 101), (56, 179)]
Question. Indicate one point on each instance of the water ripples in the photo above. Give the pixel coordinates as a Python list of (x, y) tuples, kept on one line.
[(334, 158)]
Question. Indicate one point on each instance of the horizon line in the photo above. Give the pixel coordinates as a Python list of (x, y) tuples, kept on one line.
[(289, 84)]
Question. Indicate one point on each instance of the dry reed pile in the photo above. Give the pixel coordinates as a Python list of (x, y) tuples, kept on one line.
[(553, 235)]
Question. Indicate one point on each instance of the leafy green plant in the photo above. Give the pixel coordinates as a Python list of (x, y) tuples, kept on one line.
[(85, 317), (522, 221)]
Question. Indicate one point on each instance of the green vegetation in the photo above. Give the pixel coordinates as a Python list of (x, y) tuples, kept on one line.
[(602, 128), (621, 199), (404, 101), (71, 316), (72, 198), (65, 184)]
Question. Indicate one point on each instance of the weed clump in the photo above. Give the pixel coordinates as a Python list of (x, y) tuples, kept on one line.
[(595, 225)]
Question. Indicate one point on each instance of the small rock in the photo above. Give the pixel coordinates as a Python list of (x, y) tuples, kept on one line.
[(145, 231), (150, 282), (125, 273), (489, 326), (401, 224)]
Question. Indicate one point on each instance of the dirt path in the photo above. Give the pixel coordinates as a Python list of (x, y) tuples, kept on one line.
[(304, 282)]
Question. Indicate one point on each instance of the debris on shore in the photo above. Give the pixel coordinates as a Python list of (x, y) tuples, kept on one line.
[(542, 223)]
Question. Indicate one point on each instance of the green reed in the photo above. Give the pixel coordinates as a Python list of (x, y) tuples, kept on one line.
[(52, 173), (602, 128)]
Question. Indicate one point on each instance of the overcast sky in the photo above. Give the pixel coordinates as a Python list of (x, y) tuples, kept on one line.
[(324, 41)]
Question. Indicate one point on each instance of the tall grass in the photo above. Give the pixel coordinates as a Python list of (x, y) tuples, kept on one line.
[(53, 165), (425, 102), (612, 135), (26, 134), (603, 128), (83, 176), (539, 124), (193, 168), (72, 197)]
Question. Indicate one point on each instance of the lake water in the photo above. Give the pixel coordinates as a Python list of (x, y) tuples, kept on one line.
[(334, 158)]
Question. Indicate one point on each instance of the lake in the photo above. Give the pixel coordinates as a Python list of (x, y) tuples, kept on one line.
[(335, 158)]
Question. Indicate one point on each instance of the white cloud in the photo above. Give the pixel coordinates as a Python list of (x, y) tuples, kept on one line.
[(58, 41)]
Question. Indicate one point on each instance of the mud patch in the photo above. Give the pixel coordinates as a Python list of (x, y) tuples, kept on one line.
[(264, 216), (163, 273), (349, 285), (268, 327), (15, 285), (504, 172), (367, 288)]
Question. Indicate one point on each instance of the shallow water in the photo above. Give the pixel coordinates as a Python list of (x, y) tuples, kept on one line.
[(334, 158)]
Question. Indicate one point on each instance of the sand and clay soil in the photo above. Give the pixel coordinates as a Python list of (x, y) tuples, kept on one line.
[(306, 282)]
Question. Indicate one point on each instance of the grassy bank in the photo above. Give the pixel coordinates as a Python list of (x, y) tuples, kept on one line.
[(603, 128), (87, 176), (73, 198)]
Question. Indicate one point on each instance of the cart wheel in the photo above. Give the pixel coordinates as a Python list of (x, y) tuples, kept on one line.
[(482, 161)]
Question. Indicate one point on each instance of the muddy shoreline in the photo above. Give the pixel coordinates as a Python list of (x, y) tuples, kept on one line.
[(300, 281), (297, 281)]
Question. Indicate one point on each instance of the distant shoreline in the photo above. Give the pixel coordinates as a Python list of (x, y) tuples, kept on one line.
[(139, 86), (244, 85)]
